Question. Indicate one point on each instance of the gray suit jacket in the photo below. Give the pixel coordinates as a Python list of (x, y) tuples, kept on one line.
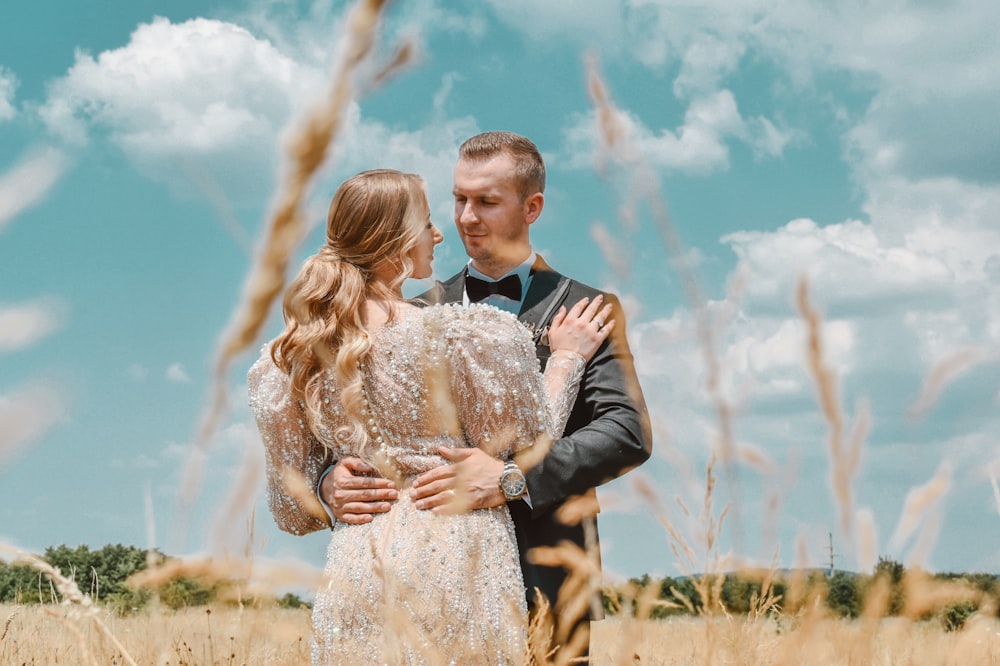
[(608, 432)]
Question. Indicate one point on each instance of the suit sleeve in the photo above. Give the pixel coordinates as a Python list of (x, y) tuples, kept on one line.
[(294, 457), (608, 432)]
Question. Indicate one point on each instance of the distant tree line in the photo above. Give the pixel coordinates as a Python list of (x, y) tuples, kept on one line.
[(103, 574), (896, 591)]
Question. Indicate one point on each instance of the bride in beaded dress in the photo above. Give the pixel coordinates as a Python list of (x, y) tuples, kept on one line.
[(360, 372)]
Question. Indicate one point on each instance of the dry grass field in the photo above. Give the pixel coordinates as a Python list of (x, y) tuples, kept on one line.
[(225, 635)]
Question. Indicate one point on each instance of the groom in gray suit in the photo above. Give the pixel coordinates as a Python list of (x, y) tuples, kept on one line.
[(498, 190)]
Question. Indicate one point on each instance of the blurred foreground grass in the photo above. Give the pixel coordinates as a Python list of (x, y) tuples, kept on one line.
[(224, 635)]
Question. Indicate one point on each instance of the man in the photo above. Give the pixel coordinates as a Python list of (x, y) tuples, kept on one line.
[(499, 193)]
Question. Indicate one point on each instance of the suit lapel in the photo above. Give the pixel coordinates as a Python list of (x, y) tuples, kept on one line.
[(547, 291), (451, 290)]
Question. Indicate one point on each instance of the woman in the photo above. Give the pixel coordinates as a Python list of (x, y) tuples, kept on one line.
[(361, 372)]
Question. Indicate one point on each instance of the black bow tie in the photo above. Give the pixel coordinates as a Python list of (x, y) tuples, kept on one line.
[(478, 289)]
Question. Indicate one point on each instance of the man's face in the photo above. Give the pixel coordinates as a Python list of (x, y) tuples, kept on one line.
[(491, 218)]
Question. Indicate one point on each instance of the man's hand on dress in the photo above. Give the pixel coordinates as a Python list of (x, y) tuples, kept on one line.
[(352, 495), (471, 482)]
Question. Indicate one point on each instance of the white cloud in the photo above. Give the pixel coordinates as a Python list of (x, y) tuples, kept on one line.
[(847, 265), (758, 357), (27, 415), (699, 146), (201, 85), (566, 20), (427, 17), (693, 148), (955, 223), (187, 101), (932, 70), (176, 373), (706, 63), (26, 323), (916, 280), (768, 140), (935, 71), (29, 181), (774, 350), (430, 151), (207, 99), (8, 88)]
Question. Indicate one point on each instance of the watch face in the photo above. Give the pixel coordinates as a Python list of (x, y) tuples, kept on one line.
[(512, 483)]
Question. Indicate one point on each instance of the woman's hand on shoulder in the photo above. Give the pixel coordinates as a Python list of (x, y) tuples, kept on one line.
[(582, 328)]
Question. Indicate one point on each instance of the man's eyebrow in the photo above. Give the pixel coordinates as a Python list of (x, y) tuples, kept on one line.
[(477, 194)]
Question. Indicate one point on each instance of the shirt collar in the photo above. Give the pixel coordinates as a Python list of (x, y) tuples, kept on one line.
[(523, 270)]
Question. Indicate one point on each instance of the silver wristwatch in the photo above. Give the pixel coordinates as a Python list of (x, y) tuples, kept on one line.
[(512, 481)]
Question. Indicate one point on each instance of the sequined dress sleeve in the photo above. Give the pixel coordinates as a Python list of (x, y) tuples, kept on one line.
[(295, 457), (504, 402)]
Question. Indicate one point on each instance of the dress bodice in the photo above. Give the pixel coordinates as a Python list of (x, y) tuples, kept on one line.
[(443, 375)]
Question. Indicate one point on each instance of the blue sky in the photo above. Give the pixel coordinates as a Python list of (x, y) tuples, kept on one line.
[(855, 145)]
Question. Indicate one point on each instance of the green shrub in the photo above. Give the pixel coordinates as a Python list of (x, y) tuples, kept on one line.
[(954, 617)]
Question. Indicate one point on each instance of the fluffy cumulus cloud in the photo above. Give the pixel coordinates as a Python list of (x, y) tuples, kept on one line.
[(846, 265), (201, 85), (8, 86), (203, 95), (924, 264), (916, 280), (214, 99)]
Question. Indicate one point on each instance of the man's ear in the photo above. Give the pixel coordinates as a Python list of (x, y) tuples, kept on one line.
[(533, 207)]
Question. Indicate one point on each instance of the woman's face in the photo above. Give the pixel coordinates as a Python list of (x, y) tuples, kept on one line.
[(422, 252)]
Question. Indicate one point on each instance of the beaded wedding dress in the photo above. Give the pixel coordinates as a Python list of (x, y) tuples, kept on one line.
[(410, 586)]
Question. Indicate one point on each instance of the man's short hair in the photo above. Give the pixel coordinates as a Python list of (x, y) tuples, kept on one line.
[(529, 168)]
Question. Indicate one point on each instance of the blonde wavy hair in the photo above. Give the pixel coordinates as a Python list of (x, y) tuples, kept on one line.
[(373, 222)]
